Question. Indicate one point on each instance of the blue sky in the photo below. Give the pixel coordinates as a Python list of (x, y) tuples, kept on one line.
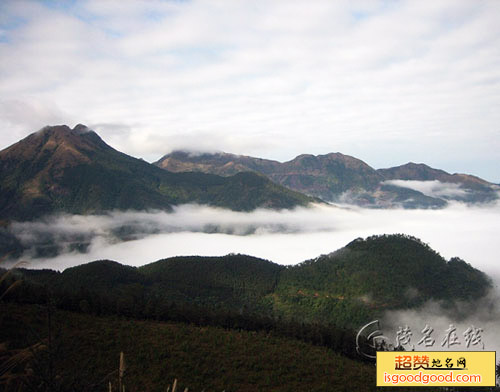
[(385, 81)]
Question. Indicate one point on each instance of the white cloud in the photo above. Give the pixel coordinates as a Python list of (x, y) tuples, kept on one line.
[(432, 188), (20, 114), (484, 315), (286, 237)]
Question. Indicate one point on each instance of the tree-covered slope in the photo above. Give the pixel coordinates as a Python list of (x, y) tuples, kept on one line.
[(346, 288), (59, 169), (84, 355), (231, 281), (234, 322), (369, 276), (100, 275)]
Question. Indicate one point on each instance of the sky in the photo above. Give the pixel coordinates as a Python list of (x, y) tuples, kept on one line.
[(385, 81)]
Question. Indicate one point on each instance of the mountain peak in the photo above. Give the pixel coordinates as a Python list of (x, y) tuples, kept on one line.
[(64, 130), (59, 142), (333, 157), (59, 169), (80, 128), (416, 172), (331, 161), (416, 166)]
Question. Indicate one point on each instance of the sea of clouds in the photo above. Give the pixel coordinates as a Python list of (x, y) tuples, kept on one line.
[(285, 237)]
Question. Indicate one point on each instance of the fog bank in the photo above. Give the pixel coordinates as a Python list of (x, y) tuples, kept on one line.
[(285, 237), (484, 315)]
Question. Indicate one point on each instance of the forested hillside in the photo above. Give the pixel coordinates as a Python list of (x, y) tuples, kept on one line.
[(234, 322), (347, 287)]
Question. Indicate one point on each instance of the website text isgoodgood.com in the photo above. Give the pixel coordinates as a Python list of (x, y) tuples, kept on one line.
[(425, 378)]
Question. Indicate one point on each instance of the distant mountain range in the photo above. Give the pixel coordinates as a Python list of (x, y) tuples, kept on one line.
[(344, 179), (59, 169)]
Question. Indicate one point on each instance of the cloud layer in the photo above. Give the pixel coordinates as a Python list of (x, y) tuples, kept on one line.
[(432, 188), (484, 315), (388, 82), (286, 237)]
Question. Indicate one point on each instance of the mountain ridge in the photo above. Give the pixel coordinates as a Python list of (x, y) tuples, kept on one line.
[(423, 172), (340, 178), (59, 169), (356, 282)]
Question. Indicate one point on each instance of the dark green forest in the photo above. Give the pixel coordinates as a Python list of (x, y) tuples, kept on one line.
[(311, 309)]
